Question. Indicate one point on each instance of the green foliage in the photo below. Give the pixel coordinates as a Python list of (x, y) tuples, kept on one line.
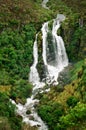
[(15, 61), (72, 101), (21, 90), (82, 84), (7, 109), (50, 113), (74, 117), (75, 69), (4, 77), (16, 51), (76, 46), (16, 123)]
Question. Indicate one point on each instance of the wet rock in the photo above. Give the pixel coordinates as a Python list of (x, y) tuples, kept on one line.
[(28, 112), (28, 127), (64, 76), (31, 117)]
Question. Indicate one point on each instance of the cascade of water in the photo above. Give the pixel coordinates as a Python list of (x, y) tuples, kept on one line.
[(44, 37), (59, 62), (34, 76), (61, 56), (61, 59)]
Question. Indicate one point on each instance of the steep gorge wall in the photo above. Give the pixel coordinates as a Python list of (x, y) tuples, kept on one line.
[(75, 32)]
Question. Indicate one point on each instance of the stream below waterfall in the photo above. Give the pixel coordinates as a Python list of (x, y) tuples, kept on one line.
[(53, 68)]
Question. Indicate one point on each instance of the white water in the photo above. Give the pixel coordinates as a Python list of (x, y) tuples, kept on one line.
[(61, 59), (34, 76), (44, 4), (44, 37), (53, 69), (33, 119)]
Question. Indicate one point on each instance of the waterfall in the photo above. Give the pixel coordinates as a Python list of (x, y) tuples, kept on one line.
[(34, 76), (60, 57), (53, 50), (55, 60), (44, 37)]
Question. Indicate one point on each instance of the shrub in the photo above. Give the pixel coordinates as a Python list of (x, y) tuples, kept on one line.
[(72, 101), (51, 113)]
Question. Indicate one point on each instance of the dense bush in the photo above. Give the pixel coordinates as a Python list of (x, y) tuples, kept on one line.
[(16, 51), (74, 118), (7, 109), (16, 59), (77, 46), (72, 101), (20, 91), (51, 113)]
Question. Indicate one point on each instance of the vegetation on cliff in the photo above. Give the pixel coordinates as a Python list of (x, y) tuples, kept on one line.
[(66, 109)]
